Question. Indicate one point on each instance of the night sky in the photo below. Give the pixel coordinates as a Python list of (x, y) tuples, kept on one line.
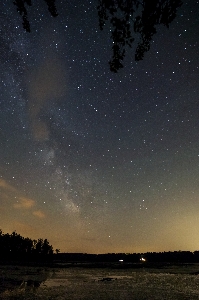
[(95, 161)]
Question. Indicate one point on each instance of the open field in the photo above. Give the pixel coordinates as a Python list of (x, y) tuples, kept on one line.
[(170, 282)]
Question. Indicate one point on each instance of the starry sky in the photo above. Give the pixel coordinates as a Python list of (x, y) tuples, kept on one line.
[(95, 161)]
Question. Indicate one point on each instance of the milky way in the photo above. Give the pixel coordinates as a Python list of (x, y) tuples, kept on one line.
[(92, 160)]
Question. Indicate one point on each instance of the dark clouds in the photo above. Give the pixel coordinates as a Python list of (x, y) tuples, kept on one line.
[(47, 83)]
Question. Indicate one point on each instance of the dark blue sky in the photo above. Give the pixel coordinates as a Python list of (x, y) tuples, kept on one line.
[(92, 160)]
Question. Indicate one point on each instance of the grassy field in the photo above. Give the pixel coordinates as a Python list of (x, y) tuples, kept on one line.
[(169, 282)]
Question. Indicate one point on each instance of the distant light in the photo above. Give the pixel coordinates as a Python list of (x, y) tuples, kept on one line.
[(142, 259), (121, 260)]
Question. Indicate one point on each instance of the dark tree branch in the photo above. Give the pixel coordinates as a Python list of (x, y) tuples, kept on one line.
[(23, 12), (21, 8), (128, 16)]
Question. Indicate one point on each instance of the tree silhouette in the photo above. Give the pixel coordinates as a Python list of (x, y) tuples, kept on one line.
[(127, 19), (134, 16), (46, 247), (21, 8), (15, 245)]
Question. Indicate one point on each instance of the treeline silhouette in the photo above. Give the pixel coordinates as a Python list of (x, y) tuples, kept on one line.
[(175, 257), (15, 246)]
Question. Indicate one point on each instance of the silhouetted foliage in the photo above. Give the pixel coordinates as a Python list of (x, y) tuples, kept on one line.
[(14, 245), (43, 247), (127, 18), (125, 260), (21, 8)]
